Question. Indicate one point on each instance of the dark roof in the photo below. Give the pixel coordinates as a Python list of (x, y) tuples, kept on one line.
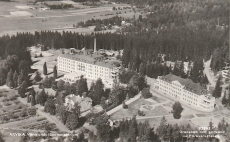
[(187, 83)]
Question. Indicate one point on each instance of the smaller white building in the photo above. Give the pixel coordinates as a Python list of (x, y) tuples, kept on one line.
[(71, 100), (187, 66), (185, 91)]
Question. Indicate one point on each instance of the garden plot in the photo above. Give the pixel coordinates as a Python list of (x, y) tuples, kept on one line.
[(20, 13), (36, 123)]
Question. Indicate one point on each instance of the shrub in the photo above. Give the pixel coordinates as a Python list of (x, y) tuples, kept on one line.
[(5, 100), (23, 113), (16, 102), (124, 105), (7, 103), (12, 98), (140, 113), (5, 118), (31, 111)]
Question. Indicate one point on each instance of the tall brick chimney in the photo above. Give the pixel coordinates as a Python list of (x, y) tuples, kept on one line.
[(95, 45)]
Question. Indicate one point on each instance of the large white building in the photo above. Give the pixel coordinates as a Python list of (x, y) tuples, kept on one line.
[(91, 65), (185, 91)]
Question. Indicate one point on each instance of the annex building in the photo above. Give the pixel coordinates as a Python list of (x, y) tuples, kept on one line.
[(89, 63), (185, 91)]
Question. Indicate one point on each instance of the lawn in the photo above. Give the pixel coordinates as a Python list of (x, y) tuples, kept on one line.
[(157, 111), (146, 106), (158, 99)]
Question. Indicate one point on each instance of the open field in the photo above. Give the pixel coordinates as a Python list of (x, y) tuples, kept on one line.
[(16, 17)]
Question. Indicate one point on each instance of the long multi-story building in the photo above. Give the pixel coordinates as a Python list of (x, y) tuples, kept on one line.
[(185, 91), (91, 65)]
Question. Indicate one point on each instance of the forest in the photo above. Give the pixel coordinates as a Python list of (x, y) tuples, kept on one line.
[(59, 6)]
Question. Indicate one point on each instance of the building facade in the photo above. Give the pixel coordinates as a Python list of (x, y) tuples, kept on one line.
[(90, 65), (185, 91)]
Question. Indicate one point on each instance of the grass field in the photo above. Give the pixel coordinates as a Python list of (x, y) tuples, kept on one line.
[(37, 19)]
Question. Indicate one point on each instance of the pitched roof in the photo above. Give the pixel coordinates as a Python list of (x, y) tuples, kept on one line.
[(187, 83)]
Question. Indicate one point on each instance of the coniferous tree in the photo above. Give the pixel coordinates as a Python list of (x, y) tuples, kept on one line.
[(33, 102), (15, 79), (9, 79), (162, 129), (28, 98), (23, 89), (42, 97), (142, 69), (133, 130), (176, 132), (224, 99), (20, 78), (218, 89), (45, 69), (55, 72)]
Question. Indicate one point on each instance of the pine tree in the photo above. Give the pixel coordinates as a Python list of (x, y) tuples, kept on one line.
[(23, 89), (218, 89), (224, 99), (162, 129), (9, 79), (33, 102), (133, 130), (45, 69), (28, 98), (55, 72), (142, 69), (15, 79), (20, 78), (42, 97)]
